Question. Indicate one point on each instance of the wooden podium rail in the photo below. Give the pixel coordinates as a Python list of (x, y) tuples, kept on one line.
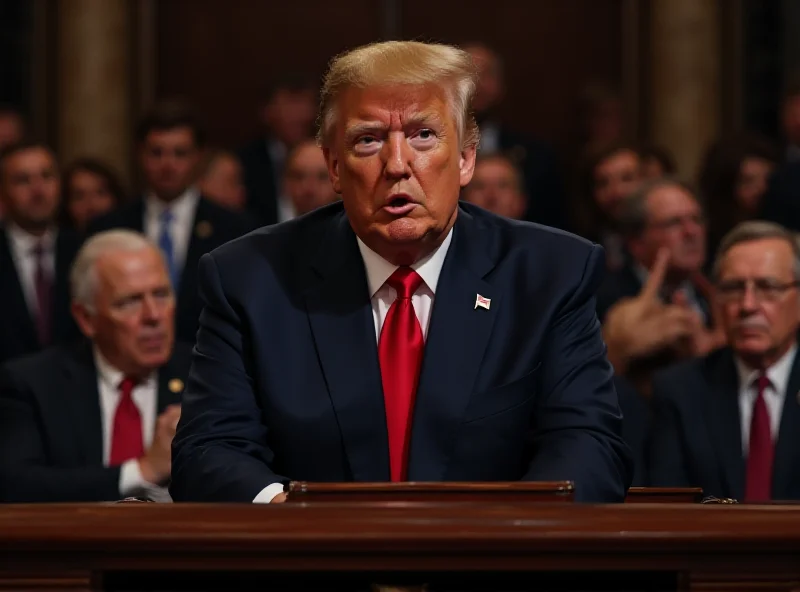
[(449, 546)]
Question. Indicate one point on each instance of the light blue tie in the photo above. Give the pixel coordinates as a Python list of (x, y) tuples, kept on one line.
[(165, 244)]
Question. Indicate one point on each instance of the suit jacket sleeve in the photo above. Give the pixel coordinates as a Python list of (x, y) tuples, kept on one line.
[(25, 475), (666, 466), (220, 451), (577, 426)]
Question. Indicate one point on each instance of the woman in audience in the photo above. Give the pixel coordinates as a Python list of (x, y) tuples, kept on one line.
[(733, 181), (91, 188)]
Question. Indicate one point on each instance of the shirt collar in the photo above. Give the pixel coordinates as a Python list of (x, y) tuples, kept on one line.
[(379, 269), (183, 205), (24, 242), (111, 376), (778, 373)]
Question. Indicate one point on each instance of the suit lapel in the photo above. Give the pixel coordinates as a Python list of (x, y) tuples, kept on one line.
[(16, 310), (457, 337), (725, 421), (787, 446), (340, 315), (84, 403)]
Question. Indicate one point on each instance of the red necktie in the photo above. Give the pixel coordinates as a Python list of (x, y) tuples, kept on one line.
[(126, 439), (400, 351), (43, 287), (762, 450)]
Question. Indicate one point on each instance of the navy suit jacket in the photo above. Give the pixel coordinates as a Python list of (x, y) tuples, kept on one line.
[(17, 327), (51, 430), (285, 381), (696, 433), (213, 226)]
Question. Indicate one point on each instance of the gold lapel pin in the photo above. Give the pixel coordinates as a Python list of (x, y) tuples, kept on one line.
[(175, 385), (204, 229)]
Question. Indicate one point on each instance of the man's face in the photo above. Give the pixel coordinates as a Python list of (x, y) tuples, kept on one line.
[(290, 115), (132, 321), (12, 129), (615, 178), (675, 222), (88, 196), (397, 162), (306, 179), (223, 183), (495, 187), (760, 305), (30, 188), (169, 161), (490, 89), (752, 182)]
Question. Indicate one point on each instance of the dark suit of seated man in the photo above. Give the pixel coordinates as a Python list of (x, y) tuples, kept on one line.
[(730, 422), (95, 421), (399, 335)]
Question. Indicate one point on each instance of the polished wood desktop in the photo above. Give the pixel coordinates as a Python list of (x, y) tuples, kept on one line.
[(464, 546)]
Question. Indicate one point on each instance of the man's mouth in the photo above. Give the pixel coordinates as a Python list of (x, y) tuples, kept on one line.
[(399, 205)]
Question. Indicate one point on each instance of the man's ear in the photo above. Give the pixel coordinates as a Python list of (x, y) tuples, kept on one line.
[(84, 319), (332, 160), (466, 164)]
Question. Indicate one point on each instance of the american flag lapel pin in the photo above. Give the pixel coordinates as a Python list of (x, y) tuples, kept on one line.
[(482, 301)]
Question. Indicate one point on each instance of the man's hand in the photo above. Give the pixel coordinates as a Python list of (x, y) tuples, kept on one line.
[(156, 464), (644, 325), (279, 499), (707, 340)]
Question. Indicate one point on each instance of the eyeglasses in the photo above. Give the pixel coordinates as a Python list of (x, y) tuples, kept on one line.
[(764, 289)]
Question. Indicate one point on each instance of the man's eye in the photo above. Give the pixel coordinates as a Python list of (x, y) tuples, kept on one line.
[(366, 140), (426, 134)]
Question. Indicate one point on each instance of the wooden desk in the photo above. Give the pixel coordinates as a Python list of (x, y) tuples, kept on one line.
[(632, 546)]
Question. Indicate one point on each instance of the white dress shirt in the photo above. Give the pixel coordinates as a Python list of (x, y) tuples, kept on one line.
[(183, 211), (382, 296), (145, 397), (286, 209), (774, 395), (22, 246)]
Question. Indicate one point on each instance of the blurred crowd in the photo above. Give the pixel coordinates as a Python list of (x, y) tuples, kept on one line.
[(99, 301)]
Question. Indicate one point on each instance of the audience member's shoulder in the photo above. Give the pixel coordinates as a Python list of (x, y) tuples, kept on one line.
[(121, 217), (520, 234), (38, 364), (673, 378), (286, 238)]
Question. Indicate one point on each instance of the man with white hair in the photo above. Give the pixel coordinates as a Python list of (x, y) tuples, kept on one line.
[(730, 422), (399, 335), (95, 421)]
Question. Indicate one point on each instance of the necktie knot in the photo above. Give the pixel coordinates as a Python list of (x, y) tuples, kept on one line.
[(405, 282), (38, 250), (762, 383), (166, 217), (126, 386)]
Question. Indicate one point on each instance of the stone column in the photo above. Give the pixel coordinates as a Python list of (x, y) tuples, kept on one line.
[(94, 81), (685, 79)]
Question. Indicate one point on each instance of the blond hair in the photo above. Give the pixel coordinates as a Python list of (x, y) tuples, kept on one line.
[(413, 63)]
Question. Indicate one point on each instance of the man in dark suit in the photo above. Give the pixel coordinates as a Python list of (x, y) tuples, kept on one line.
[(35, 255), (399, 335), (288, 118), (95, 421), (536, 160), (173, 214), (730, 422)]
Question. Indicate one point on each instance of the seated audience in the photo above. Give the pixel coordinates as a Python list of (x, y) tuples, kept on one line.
[(222, 181), (662, 214), (95, 421), (497, 186), (734, 179), (729, 422), (91, 189), (35, 254), (657, 162), (607, 179), (306, 182), (173, 214)]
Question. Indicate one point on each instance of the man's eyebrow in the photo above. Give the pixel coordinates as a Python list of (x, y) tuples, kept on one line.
[(364, 127), (430, 118)]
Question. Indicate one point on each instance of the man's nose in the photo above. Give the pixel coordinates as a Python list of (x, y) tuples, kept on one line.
[(398, 153)]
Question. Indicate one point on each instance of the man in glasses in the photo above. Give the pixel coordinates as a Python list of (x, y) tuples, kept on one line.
[(730, 422)]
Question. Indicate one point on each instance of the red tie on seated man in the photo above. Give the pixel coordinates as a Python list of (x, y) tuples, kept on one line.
[(761, 452), (126, 440)]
